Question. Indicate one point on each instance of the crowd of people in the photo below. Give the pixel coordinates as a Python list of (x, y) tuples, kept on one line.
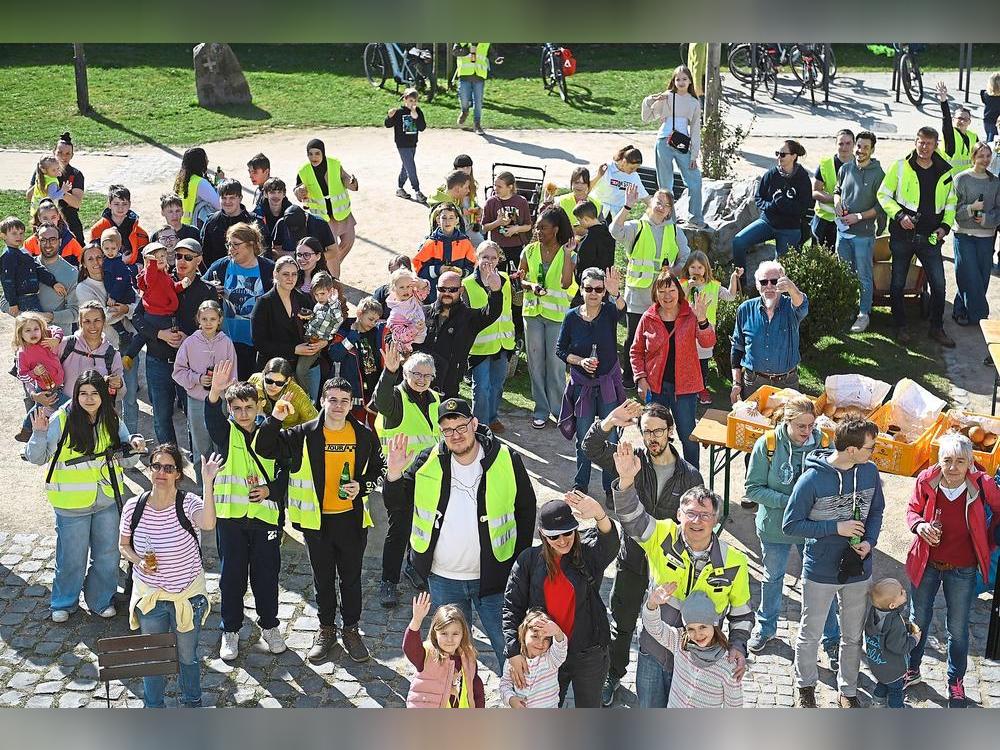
[(301, 407)]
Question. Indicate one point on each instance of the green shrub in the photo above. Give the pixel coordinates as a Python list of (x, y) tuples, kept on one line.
[(832, 288), (721, 142), (725, 321)]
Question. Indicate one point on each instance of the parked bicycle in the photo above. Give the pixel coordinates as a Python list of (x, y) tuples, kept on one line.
[(557, 63), (411, 67), (905, 69), (769, 58), (810, 63)]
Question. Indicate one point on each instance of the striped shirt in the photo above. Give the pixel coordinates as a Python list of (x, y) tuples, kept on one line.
[(177, 560), (542, 689), (693, 685)]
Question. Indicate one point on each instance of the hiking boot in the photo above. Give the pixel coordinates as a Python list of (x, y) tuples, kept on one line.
[(325, 640), (497, 427), (463, 117), (912, 677), (861, 324), (757, 642), (609, 690), (938, 335), (388, 597), (705, 398), (353, 644), (275, 642), (956, 695), (479, 129), (848, 701), (420, 197), (24, 435), (60, 615), (230, 646), (401, 193), (413, 576), (833, 654), (807, 697)]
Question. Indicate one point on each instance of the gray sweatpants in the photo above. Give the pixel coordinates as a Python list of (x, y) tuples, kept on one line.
[(816, 601)]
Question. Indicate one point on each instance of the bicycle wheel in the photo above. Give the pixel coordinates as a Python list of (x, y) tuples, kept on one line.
[(831, 61), (911, 79), (769, 76), (739, 63), (562, 82), (425, 81), (375, 64), (545, 68)]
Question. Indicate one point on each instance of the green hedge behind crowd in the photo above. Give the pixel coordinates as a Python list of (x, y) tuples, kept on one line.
[(144, 93)]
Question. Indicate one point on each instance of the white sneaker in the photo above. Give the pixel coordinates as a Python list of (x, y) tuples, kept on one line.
[(272, 637), (108, 613), (860, 324), (60, 615), (230, 646)]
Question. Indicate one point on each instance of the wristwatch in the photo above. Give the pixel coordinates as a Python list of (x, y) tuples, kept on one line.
[(860, 217)]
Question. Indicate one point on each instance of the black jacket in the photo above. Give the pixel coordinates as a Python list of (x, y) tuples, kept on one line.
[(492, 573), (449, 339), (188, 301), (274, 333), (597, 448), (525, 589), (388, 401), (285, 446), (213, 234)]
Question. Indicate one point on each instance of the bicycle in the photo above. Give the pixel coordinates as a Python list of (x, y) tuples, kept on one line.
[(412, 67), (809, 61), (552, 69), (905, 69), (769, 57)]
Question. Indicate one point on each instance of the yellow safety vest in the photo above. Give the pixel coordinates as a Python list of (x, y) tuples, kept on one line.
[(42, 191), (646, 260), (420, 433), (901, 189), (501, 489), (555, 304), (232, 493), (476, 63), (305, 504), (710, 291), (340, 201), (189, 201), (829, 174), (568, 202), (962, 158), (499, 334), (75, 487)]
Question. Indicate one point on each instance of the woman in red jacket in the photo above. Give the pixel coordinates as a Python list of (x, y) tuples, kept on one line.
[(947, 515), (664, 355)]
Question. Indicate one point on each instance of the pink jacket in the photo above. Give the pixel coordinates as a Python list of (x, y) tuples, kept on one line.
[(652, 345), (195, 356), (29, 357), (980, 489)]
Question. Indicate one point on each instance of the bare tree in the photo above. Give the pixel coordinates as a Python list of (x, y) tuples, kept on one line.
[(82, 90)]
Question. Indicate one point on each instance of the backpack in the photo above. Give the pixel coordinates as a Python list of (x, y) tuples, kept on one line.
[(182, 519), (771, 442), (70, 348)]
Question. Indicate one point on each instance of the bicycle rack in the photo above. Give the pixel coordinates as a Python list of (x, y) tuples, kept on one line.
[(964, 66)]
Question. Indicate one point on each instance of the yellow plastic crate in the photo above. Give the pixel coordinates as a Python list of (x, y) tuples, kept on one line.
[(742, 434), (895, 456), (989, 460)]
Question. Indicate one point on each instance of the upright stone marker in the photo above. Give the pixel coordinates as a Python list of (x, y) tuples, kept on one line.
[(218, 76)]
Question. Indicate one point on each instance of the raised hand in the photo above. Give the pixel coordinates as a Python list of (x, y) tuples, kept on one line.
[(222, 377), (613, 281), (701, 308), (583, 506), (421, 608), (210, 468), (39, 422), (626, 463), (662, 593), (282, 410), (397, 457), (942, 91), (631, 195), (391, 357)]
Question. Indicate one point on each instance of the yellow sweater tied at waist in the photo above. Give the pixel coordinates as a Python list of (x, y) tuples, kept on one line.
[(145, 597)]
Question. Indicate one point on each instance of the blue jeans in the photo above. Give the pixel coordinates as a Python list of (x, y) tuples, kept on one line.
[(470, 96), (684, 408), (162, 394), (893, 693), (312, 382), (666, 156), (859, 252), (760, 231), (593, 408), (130, 401), (973, 266), (465, 596), (161, 619), (93, 536), (547, 371), (959, 593), (409, 168), (487, 387), (201, 442), (903, 249), (774, 557), (652, 682)]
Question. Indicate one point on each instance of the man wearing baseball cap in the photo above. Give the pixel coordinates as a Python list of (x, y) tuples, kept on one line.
[(473, 513)]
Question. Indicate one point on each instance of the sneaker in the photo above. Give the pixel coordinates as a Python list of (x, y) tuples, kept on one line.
[(108, 612), (879, 700), (938, 335), (705, 398), (463, 117), (401, 193), (848, 701), (479, 129), (833, 655), (695, 224), (861, 324), (24, 435), (497, 427), (274, 640), (353, 644), (60, 615), (912, 677), (230, 646), (962, 320), (609, 690), (413, 576), (538, 424), (956, 695), (420, 197), (757, 642), (325, 640), (807, 697), (388, 597)]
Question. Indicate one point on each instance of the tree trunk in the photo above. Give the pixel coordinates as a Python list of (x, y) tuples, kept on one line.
[(82, 90), (713, 93)]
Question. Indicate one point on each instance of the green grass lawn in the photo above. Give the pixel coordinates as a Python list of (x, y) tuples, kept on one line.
[(146, 94), (13, 203)]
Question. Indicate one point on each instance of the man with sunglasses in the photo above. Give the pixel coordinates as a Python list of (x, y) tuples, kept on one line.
[(473, 514), (837, 506), (689, 553), (662, 478)]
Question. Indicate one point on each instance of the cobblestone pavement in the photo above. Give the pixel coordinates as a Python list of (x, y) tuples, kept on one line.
[(47, 665)]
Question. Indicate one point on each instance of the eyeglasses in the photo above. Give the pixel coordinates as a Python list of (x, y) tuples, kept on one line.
[(48, 240), (963, 119), (186, 257), (448, 289), (305, 255), (782, 154), (460, 430), (421, 375), (766, 282), (656, 434), (552, 537), (867, 448), (164, 468), (693, 515), (233, 243), (594, 289), (275, 383)]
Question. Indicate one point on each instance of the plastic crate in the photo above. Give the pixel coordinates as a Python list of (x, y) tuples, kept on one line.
[(821, 405), (988, 460), (742, 434), (895, 456)]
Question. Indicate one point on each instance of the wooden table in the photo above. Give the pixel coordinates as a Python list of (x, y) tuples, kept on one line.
[(995, 355), (991, 331), (711, 433)]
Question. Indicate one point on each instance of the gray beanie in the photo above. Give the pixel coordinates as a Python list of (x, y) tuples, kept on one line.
[(698, 609)]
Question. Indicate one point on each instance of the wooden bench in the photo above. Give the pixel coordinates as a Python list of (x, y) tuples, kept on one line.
[(136, 656)]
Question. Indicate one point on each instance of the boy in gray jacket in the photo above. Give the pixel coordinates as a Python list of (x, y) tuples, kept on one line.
[(888, 640)]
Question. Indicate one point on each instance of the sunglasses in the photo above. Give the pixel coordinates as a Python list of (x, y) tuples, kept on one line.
[(185, 256), (765, 282), (594, 289), (782, 154), (449, 289), (275, 383), (165, 468), (560, 536)]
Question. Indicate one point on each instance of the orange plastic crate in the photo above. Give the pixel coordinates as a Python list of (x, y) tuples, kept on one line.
[(990, 460), (821, 405), (741, 434), (897, 457)]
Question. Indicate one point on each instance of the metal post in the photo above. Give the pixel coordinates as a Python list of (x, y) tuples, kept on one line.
[(895, 74), (80, 67), (961, 63), (968, 71), (827, 50), (753, 71)]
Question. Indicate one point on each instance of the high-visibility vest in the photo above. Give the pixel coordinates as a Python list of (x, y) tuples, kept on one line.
[(232, 493), (188, 201), (710, 291), (901, 189), (476, 63), (501, 489), (340, 201), (75, 487), (41, 192), (829, 174), (420, 433), (555, 303), (305, 504), (568, 202), (646, 260), (962, 158), (499, 334)]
